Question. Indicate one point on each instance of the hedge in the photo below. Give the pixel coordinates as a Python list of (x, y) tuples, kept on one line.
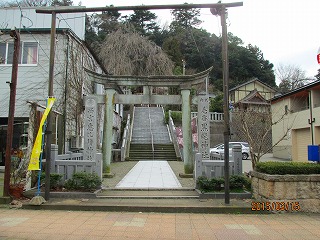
[(236, 182), (282, 168)]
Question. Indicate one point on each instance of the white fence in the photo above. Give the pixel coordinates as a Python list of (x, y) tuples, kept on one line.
[(213, 116)]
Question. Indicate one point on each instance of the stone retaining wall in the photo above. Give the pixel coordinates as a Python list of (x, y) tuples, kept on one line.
[(303, 190)]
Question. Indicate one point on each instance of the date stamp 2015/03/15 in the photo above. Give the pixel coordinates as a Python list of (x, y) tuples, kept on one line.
[(275, 206)]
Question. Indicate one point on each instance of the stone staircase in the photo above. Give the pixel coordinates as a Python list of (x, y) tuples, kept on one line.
[(142, 152), (148, 127)]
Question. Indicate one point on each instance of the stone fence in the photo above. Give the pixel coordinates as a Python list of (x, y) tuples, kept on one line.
[(287, 192), (70, 163), (214, 168)]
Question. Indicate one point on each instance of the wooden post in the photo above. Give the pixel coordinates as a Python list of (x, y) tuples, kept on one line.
[(50, 94), (13, 88)]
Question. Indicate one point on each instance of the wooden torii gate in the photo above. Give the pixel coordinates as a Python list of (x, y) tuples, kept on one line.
[(113, 95)]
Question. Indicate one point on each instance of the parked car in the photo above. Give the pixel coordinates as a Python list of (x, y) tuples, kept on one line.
[(219, 149)]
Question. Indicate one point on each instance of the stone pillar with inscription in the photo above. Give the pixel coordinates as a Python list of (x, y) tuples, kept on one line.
[(203, 126), (90, 130)]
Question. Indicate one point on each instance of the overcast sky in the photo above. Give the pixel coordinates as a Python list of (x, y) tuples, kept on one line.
[(286, 31)]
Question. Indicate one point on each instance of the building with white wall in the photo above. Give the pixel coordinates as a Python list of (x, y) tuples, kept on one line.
[(72, 55), (298, 123)]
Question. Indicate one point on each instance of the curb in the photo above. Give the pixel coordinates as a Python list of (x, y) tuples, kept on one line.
[(5, 200), (76, 195), (164, 209), (208, 195)]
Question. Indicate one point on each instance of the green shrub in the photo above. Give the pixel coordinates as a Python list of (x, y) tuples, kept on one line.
[(83, 181), (282, 168), (239, 182), (217, 184), (236, 182), (55, 180), (176, 117), (203, 184)]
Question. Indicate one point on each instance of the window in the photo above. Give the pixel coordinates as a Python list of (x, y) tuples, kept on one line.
[(28, 53), (2, 53)]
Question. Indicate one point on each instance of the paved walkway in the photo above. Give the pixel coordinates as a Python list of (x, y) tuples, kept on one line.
[(150, 174), (40, 224)]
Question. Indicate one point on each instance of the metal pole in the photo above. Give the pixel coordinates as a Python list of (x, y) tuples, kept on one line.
[(225, 61), (50, 94), (13, 88)]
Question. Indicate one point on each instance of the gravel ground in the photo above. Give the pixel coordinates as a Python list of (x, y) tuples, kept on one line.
[(120, 169), (178, 167)]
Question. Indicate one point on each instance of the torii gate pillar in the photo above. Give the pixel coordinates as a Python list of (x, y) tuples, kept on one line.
[(186, 129), (107, 129)]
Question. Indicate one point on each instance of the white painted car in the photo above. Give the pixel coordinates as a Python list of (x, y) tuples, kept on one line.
[(219, 149)]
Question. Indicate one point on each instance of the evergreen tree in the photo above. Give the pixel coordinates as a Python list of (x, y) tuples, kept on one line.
[(62, 3), (185, 18), (143, 21), (98, 26)]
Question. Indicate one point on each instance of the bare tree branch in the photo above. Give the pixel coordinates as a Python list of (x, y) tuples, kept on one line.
[(126, 52)]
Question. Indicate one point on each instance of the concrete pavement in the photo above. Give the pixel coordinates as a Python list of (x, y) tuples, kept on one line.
[(41, 224)]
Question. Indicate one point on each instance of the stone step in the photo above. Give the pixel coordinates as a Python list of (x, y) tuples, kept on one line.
[(121, 193), (144, 152), (149, 146)]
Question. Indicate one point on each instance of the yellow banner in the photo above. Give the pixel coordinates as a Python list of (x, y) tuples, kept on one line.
[(36, 150)]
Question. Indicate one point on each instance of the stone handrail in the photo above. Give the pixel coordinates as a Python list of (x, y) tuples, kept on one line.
[(126, 140), (150, 128), (172, 130), (132, 120)]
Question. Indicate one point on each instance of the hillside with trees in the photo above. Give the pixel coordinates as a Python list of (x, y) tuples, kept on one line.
[(184, 41)]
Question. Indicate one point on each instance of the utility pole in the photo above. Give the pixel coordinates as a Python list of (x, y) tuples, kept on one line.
[(222, 11), (226, 133), (13, 87), (49, 119)]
